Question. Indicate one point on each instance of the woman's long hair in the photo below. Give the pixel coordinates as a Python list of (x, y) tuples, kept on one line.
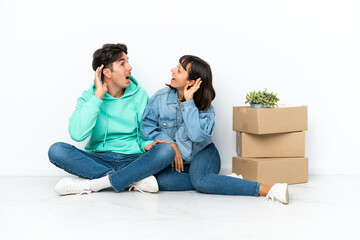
[(198, 68)]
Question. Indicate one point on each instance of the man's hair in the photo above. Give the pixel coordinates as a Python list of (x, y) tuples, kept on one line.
[(108, 54)]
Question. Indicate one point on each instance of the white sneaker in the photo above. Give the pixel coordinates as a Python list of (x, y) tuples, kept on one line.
[(148, 184), (236, 176), (279, 192), (72, 185)]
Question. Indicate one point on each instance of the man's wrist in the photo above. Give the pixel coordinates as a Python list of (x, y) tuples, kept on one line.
[(99, 95)]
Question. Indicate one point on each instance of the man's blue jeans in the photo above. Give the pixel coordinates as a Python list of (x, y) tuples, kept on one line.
[(122, 169), (202, 175)]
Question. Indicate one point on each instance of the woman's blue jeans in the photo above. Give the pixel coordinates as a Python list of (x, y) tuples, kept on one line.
[(122, 169), (202, 175)]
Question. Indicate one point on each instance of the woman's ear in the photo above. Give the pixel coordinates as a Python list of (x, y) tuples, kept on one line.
[(191, 83)]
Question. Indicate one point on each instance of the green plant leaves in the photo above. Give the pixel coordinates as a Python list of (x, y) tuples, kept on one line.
[(263, 98)]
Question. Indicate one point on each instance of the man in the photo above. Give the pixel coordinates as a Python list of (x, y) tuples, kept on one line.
[(110, 113)]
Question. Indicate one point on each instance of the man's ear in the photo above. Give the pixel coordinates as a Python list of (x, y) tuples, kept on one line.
[(191, 83), (107, 72)]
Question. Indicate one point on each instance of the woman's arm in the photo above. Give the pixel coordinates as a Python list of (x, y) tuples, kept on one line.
[(199, 125), (150, 128)]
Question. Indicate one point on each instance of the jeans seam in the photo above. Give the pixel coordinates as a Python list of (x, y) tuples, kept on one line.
[(111, 182), (69, 170), (207, 169), (257, 189), (208, 166)]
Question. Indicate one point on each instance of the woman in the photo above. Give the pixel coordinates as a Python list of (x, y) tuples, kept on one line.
[(181, 114)]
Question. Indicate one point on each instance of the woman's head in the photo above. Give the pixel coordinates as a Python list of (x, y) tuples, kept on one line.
[(186, 72)]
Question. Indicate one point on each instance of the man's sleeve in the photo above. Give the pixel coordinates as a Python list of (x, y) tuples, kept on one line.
[(142, 105), (83, 119)]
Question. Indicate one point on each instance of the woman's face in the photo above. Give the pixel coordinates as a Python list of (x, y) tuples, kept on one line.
[(179, 77)]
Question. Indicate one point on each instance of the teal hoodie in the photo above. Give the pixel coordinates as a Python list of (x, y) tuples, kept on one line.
[(113, 124)]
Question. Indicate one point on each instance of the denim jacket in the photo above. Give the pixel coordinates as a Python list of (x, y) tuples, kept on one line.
[(166, 119)]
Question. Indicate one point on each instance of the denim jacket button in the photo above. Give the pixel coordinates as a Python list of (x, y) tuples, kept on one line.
[(164, 124)]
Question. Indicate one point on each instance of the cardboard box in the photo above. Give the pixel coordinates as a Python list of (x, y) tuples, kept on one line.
[(269, 120), (271, 145), (272, 170)]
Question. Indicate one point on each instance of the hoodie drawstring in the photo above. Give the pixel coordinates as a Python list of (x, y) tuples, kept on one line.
[(106, 119), (136, 119), (137, 123)]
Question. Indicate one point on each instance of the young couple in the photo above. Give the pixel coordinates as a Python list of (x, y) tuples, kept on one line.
[(148, 145)]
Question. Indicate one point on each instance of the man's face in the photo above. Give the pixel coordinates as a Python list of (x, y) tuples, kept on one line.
[(120, 75)]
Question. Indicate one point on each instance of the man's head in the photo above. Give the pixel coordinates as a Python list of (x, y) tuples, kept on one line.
[(116, 68)]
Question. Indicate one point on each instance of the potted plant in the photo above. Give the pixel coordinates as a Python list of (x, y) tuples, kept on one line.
[(262, 99)]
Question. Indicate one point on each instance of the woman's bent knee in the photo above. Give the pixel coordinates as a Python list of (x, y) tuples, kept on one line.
[(198, 183)]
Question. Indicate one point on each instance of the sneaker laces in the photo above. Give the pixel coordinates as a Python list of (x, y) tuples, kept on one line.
[(276, 192), (271, 195), (268, 197), (75, 186), (85, 191), (133, 188)]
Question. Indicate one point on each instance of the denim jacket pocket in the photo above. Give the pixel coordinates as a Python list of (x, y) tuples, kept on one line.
[(167, 122), (168, 126)]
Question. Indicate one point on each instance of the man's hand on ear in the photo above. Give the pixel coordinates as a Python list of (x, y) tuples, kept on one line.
[(101, 88)]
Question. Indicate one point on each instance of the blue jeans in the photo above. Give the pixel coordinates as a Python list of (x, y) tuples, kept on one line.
[(122, 169), (202, 175)]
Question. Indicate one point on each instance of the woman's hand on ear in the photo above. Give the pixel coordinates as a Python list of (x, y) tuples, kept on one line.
[(189, 91), (101, 88)]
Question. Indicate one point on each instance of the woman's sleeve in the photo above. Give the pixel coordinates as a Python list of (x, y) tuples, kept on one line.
[(199, 125), (150, 128)]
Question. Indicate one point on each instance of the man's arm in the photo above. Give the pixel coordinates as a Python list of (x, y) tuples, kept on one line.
[(83, 119), (143, 99)]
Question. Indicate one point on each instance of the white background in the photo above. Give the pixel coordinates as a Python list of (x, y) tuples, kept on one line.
[(306, 51)]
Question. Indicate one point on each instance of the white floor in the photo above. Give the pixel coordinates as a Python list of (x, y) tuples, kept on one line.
[(325, 208)]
